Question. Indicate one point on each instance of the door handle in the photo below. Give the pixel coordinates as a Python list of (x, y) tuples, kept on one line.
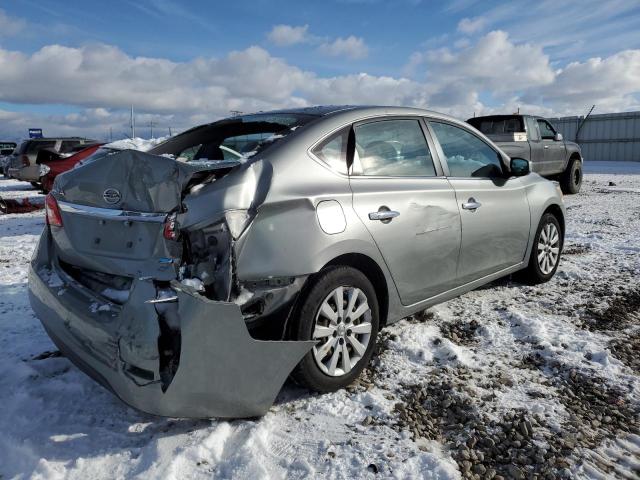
[(546, 146), (471, 204), (384, 215)]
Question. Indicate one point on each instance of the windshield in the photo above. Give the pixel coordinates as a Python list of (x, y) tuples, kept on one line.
[(498, 125), (236, 138)]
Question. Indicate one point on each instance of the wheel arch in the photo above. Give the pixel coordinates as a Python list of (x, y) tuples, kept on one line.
[(370, 268), (557, 212)]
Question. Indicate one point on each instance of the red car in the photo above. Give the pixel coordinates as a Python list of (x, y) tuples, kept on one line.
[(53, 164)]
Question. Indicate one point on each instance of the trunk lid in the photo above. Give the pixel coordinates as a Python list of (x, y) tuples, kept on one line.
[(113, 212), (135, 181)]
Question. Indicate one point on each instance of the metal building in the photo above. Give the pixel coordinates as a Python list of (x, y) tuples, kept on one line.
[(603, 137)]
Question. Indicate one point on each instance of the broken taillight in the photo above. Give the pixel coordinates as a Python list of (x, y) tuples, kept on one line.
[(25, 161), (170, 230), (53, 211)]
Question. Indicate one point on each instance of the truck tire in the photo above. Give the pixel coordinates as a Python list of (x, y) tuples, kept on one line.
[(571, 178), (345, 332)]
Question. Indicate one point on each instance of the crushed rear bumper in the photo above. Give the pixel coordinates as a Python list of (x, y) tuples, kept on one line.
[(222, 370)]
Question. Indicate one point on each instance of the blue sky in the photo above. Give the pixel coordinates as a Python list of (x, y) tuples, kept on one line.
[(77, 64)]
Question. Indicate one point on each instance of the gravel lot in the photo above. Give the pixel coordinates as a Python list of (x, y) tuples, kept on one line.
[(508, 381)]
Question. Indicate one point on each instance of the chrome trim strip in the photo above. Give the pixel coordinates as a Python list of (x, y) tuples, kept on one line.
[(111, 214)]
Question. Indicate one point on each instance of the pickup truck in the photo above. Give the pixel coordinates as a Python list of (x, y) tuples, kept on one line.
[(534, 139)]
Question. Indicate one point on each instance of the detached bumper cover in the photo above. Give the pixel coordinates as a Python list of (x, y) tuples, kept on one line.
[(222, 371), (26, 174)]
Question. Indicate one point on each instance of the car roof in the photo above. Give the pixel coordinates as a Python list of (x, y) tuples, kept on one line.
[(41, 139), (326, 110)]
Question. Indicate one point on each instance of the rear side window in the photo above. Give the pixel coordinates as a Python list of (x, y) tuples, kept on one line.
[(34, 147), (466, 154), (333, 151), (395, 148)]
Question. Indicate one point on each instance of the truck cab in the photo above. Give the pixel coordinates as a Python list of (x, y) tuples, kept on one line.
[(535, 139)]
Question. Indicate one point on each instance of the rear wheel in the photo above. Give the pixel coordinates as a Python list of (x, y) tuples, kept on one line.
[(571, 179), (340, 313), (545, 254)]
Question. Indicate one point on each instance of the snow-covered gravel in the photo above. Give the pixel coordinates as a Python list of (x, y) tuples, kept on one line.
[(505, 381)]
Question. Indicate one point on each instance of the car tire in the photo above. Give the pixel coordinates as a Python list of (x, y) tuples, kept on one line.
[(545, 253), (326, 368), (571, 178)]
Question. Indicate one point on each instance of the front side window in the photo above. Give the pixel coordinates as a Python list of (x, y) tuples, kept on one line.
[(466, 154), (333, 151), (68, 146), (395, 148), (546, 130)]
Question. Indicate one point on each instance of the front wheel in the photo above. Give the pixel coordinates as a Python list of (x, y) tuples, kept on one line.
[(571, 178), (545, 253), (340, 313)]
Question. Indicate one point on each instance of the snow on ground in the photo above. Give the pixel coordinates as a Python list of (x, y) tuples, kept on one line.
[(506, 380)]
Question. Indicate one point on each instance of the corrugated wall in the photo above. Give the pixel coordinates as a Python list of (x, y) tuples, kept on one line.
[(603, 137)]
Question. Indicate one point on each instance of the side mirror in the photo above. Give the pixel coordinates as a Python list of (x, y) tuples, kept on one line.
[(520, 167), (558, 137)]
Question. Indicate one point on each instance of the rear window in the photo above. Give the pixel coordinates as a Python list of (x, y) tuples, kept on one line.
[(232, 139), (497, 125), (32, 146)]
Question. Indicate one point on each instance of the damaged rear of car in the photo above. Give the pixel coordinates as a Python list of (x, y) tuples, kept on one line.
[(193, 279), (136, 279)]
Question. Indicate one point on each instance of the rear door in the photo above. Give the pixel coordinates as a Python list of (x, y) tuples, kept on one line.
[(408, 206), (554, 150), (494, 210)]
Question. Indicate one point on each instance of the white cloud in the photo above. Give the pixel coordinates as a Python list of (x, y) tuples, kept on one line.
[(493, 63), (10, 26), (470, 26), (286, 35), (350, 47), (489, 74), (612, 83)]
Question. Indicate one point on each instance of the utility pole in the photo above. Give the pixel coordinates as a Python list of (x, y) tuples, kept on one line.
[(151, 128), (110, 134), (582, 123), (133, 123)]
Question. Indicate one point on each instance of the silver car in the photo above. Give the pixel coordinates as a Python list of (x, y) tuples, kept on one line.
[(194, 279)]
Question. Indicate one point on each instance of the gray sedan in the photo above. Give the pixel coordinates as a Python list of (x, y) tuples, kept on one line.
[(192, 280)]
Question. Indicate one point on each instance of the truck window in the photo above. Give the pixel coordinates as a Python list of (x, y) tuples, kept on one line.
[(498, 124), (546, 130)]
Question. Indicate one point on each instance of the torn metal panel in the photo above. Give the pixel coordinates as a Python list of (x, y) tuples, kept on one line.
[(222, 369), (136, 181), (217, 369)]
